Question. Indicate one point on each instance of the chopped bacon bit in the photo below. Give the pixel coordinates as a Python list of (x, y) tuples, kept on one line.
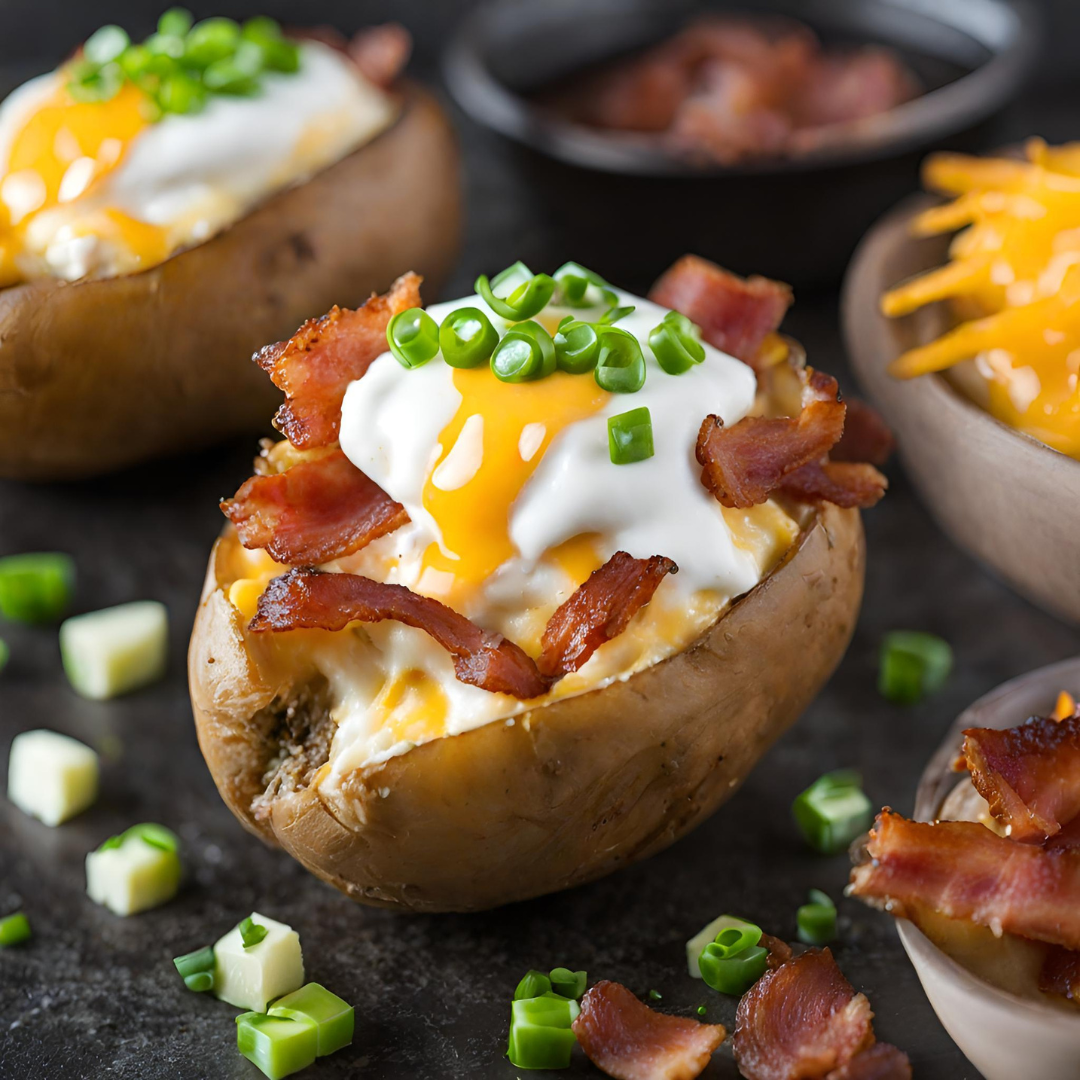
[(964, 871), (801, 1021), (744, 464), (381, 52), (1060, 974), (779, 951), (735, 314), (599, 610), (1030, 775), (866, 435), (315, 366), (629, 1041), (842, 483), (308, 599), (314, 512), (880, 1062)]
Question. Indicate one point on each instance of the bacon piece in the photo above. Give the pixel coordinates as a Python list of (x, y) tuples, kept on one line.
[(880, 1062), (779, 951), (1030, 775), (314, 512), (1060, 974), (599, 610), (735, 314), (842, 483), (309, 599), (629, 1041), (315, 366), (801, 1021), (963, 870), (744, 464), (866, 435), (381, 52), (1066, 840)]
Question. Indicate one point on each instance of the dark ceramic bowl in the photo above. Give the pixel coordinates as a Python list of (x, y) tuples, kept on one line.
[(628, 209)]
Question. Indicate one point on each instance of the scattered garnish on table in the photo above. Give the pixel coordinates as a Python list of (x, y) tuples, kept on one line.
[(627, 1040), (735, 959), (252, 976), (816, 920), (804, 1021), (197, 969), (1013, 286), (912, 665), (136, 870), (51, 776), (833, 811), (540, 1033), (277, 1045), (36, 587), (334, 1018), (14, 929), (567, 983)]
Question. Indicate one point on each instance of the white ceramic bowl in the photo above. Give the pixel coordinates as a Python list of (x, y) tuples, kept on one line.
[(1004, 1036)]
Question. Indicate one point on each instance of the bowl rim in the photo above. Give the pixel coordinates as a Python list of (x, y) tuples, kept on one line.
[(937, 780), (940, 112)]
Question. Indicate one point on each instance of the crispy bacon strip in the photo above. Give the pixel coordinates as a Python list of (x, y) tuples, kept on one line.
[(309, 599), (801, 1021), (735, 314), (599, 610), (1030, 775), (880, 1062), (842, 483), (315, 366), (866, 435), (963, 870), (1060, 974), (744, 464), (629, 1041), (314, 512), (381, 52), (779, 951)]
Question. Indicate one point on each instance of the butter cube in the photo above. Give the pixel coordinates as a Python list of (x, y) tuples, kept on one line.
[(132, 876), (252, 978), (51, 776)]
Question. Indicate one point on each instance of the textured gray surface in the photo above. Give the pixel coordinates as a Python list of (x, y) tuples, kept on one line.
[(94, 995)]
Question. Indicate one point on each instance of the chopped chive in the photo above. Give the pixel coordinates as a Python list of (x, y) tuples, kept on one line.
[(14, 929), (105, 45), (413, 337), (816, 921), (655, 995), (540, 1035), (251, 932), (36, 587), (630, 436), (567, 983), (833, 811), (197, 969), (278, 1046), (526, 352), (614, 314), (733, 974), (620, 364), (176, 22), (467, 338), (333, 1017), (533, 984), (733, 940), (912, 665), (576, 346), (516, 293), (676, 343)]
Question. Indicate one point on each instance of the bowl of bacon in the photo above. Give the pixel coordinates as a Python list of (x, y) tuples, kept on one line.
[(808, 116), (985, 882)]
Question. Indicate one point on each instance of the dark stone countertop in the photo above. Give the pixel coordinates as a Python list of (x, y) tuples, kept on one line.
[(94, 995)]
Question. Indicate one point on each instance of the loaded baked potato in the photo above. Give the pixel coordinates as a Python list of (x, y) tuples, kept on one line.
[(548, 633), (159, 223)]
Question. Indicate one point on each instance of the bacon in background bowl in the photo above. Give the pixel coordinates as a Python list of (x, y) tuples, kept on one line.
[(795, 217)]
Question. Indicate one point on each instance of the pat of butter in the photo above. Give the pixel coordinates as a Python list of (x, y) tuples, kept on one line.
[(51, 776), (252, 978), (133, 877)]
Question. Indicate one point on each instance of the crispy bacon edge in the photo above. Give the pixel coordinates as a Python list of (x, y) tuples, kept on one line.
[(847, 484), (315, 366), (310, 599), (735, 314), (626, 1039), (963, 870), (866, 435), (381, 52), (600, 610), (1029, 775), (316, 511)]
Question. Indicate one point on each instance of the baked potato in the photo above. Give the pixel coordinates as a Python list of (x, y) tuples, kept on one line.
[(99, 373), (613, 752)]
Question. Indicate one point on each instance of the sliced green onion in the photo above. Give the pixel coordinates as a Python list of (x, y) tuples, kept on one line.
[(532, 985), (176, 22), (333, 1017), (816, 921), (211, 40), (706, 936), (155, 835), (200, 982), (105, 45), (279, 54), (413, 337), (620, 365), (576, 346), (733, 940), (526, 352), (89, 82), (655, 995), (540, 1035), (614, 314), (516, 293), (278, 1046), (236, 74), (733, 974), (14, 929), (192, 965), (467, 338), (179, 93), (36, 588), (165, 47), (833, 811), (630, 436), (913, 665), (676, 344), (573, 281), (251, 932), (567, 983)]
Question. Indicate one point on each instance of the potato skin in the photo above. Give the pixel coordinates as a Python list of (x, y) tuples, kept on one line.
[(568, 792), (97, 375)]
